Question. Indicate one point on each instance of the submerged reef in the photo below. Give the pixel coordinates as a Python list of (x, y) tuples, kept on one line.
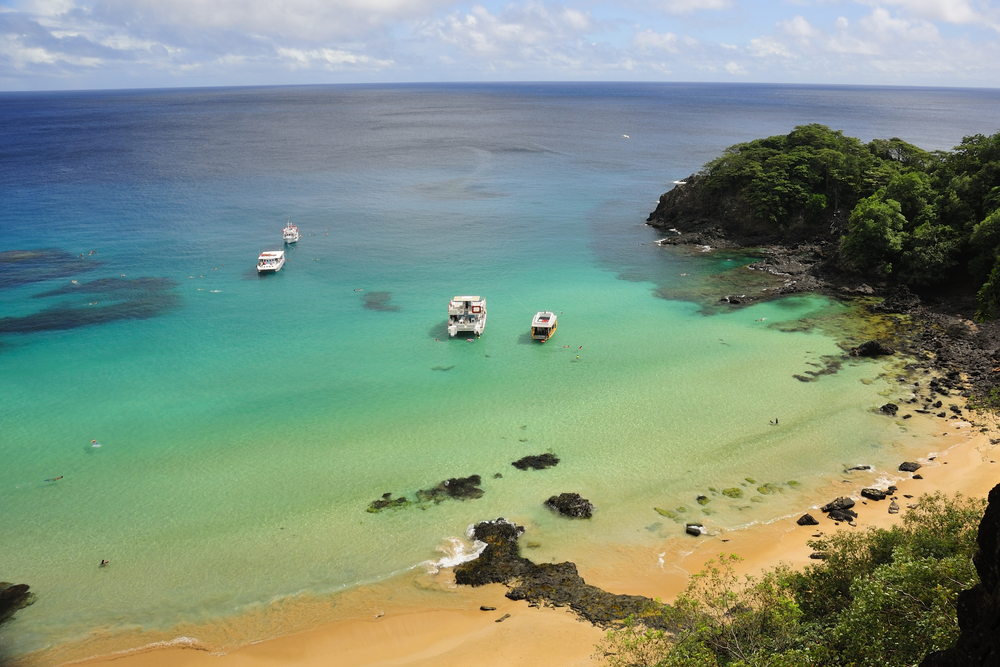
[(380, 301), (536, 462), (459, 488), (22, 267), (129, 299)]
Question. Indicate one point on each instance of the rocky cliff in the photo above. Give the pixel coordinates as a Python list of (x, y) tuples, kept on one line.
[(979, 607)]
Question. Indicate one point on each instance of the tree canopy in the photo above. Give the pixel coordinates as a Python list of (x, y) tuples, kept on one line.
[(916, 217)]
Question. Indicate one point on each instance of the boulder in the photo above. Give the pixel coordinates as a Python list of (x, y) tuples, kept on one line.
[(872, 348), (846, 516), (909, 466), (893, 507), (12, 598), (807, 520), (889, 409), (572, 505), (873, 494), (841, 503), (695, 529)]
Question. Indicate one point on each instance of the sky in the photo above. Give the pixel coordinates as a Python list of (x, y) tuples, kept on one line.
[(104, 44)]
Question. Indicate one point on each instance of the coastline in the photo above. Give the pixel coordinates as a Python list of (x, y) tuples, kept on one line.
[(377, 627)]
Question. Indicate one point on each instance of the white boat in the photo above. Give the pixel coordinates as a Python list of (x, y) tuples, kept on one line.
[(291, 233), (466, 313), (270, 261), (543, 325)]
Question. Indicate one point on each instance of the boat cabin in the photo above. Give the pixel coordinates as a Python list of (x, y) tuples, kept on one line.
[(543, 325)]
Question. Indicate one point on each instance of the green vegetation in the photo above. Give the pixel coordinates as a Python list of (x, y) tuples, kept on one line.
[(881, 598), (915, 217)]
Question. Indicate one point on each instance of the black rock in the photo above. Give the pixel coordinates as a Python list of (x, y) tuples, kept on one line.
[(859, 468), (536, 462), (909, 466), (807, 520), (695, 529), (838, 504), (12, 598), (555, 584), (889, 409), (819, 555), (485, 608), (871, 348), (572, 505), (873, 494), (461, 488), (843, 515)]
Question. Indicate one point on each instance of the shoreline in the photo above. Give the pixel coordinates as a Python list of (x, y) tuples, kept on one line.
[(379, 628)]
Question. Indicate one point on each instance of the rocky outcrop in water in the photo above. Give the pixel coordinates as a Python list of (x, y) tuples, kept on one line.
[(979, 607), (460, 488), (536, 462), (12, 598), (550, 584), (572, 505)]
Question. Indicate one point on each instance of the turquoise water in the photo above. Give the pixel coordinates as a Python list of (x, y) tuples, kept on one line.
[(247, 422)]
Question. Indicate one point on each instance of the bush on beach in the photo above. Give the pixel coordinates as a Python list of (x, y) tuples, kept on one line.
[(881, 598)]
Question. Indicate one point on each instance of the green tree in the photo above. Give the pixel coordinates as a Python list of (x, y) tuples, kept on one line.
[(874, 237)]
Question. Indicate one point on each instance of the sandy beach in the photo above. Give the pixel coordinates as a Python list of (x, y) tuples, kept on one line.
[(379, 632)]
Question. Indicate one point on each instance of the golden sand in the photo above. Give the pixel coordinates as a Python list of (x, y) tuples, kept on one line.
[(380, 632)]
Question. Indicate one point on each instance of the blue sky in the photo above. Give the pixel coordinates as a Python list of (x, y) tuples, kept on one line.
[(86, 44)]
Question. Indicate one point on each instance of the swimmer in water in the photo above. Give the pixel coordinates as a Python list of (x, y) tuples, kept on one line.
[(94, 443), (104, 562), (52, 479)]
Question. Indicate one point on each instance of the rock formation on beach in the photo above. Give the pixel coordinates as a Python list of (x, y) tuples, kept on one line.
[(551, 584)]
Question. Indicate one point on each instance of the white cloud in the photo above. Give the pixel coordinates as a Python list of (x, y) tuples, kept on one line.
[(690, 6), (768, 46), (328, 58), (299, 19), (884, 27), (530, 31), (735, 69), (798, 26), (949, 11), (648, 39)]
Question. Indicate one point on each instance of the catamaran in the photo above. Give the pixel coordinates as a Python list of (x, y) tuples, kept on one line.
[(466, 313)]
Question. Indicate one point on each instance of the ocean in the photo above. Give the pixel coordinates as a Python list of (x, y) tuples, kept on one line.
[(218, 436)]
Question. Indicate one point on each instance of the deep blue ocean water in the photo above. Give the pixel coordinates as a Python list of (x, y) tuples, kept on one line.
[(245, 423)]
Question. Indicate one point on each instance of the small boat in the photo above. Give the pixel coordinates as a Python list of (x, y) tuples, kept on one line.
[(270, 261), (543, 325), (291, 233), (466, 313)]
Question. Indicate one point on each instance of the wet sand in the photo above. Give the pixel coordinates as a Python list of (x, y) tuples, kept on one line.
[(401, 634)]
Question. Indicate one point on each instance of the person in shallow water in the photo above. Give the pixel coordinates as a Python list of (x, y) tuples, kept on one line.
[(104, 562)]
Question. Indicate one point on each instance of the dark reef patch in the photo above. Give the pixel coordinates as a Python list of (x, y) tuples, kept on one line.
[(120, 288), (536, 462), (460, 488), (380, 301), (23, 267), (60, 318)]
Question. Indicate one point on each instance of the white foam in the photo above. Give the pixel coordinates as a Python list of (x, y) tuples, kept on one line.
[(456, 551)]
